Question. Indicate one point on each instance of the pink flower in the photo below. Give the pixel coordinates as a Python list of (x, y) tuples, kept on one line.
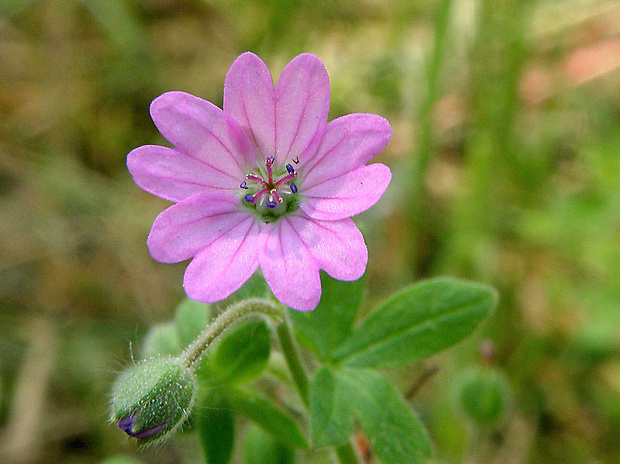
[(266, 182)]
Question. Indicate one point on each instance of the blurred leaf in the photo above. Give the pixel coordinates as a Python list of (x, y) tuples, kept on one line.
[(417, 322), (255, 287), (261, 447), (161, 340), (271, 418), (323, 329), (395, 433), (243, 352), (191, 317), (216, 427), (120, 459), (119, 22), (331, 415), (10, 8)]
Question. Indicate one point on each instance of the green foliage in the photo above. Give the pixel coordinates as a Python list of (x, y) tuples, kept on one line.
[(271, 418), (261, 447), (324, 328), (120, 459), (255, 287), (242, 354), (216, 427), (417, 322), (161, 340), (190, 318), (337, 398), (331, 415)]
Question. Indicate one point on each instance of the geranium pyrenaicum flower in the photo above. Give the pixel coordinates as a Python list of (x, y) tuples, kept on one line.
[(264, 182)]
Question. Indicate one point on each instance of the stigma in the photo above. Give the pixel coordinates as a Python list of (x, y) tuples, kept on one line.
[(269, 188)]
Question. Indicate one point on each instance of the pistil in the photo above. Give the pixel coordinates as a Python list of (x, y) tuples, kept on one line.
[(269, 186)]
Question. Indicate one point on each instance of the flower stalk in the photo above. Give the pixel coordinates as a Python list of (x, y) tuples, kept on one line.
[(345, 452), (298, 373), (236, 313)]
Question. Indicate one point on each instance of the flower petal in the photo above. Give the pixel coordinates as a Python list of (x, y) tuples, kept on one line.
[(350, 142), (288, 267), (173, 175), (302, 104), (203, 131), (224, 265), (249, 97), (346, 195), (184, 229), (337, 246)]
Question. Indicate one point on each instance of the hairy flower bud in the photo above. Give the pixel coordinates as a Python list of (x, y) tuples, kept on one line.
[(153, 398)]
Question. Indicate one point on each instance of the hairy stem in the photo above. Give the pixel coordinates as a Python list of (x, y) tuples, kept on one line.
[(233, 315)]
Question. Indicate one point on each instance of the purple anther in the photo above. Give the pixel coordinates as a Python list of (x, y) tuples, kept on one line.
[(244, 185), (290, 169), (249, 198), (293, 187), (271, 204), (270, 160)]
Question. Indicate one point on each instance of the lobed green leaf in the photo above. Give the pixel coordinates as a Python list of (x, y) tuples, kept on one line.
[(339, 397), (331, 415), (261, 447), (326, 327), (216, 427), (243, 353), (271, 418), (396, 434)]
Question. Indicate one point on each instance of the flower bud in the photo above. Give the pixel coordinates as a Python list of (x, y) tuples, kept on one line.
[(153, 398), (483, 396)]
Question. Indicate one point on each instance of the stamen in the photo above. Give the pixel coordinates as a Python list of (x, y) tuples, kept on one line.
[(286, 179), (255, 178), (249, 198), (244, 185), (290, 169), (276, 196), (293, 187)]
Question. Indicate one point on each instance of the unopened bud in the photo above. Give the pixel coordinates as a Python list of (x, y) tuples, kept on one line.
[(153, 398), (483, 396)]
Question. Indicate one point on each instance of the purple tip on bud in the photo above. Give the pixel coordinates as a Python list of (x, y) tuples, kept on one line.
[(244, 185), (289, 168), (293, 187), (271, 204), (125, 424), (249, 198)]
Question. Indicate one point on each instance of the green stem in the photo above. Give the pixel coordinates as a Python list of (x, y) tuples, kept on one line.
[(346, 454), (233, 315), (300, 378)]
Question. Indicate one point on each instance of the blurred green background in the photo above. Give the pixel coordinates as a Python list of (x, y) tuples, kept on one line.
[(506, 162)]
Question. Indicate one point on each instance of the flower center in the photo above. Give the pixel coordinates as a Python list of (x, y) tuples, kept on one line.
[(272, 194)]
